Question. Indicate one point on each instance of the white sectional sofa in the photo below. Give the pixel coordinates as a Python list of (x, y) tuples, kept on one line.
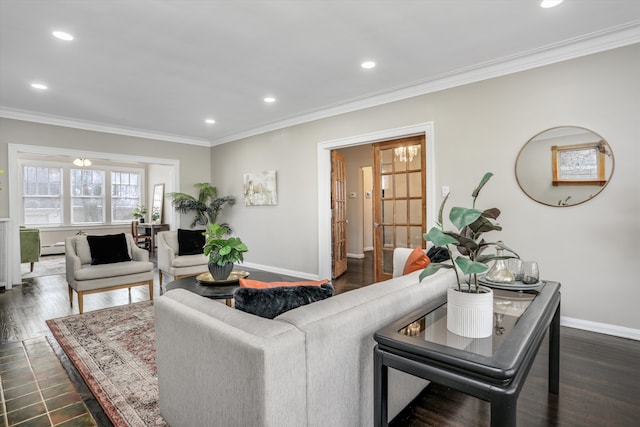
[(311, 366)]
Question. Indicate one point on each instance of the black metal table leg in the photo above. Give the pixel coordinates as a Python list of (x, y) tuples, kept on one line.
[(554, 353), (504, 409), (380, 385)]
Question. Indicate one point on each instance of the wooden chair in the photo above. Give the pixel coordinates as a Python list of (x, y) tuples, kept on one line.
[(140, 240)]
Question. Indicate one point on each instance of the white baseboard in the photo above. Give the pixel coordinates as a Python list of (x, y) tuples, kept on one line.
[(283, 271), (602, 328), (368, 249), (358, 256)]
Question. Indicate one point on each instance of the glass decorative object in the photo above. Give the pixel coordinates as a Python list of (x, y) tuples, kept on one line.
[(499, 272)]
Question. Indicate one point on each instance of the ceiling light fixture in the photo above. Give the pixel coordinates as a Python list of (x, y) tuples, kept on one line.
[(550, 3), (406, 154), (62, 35), (209, 121), (39, 86), (82, 162), (367, 65), (269, 99)]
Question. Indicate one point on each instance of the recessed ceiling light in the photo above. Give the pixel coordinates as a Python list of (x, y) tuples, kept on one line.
[(368, 65), (39, 86), (62, 35), (209, 121), (269, 99), (550, 3)]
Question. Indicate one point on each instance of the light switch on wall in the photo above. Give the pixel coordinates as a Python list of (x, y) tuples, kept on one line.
[(445, 190)]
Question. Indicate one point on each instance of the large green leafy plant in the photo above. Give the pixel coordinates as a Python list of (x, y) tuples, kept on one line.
[(223, 251), (471, 224), (206, 206)]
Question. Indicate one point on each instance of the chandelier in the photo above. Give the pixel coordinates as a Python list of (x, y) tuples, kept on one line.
[(82, 162), (406, 154)]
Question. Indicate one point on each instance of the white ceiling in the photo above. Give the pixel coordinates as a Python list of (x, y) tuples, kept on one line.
[(158, 68)]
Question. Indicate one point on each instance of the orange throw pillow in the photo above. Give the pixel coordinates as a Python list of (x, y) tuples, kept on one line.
[(256, 284), (417, 260)]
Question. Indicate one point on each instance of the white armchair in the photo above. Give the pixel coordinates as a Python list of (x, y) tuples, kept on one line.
[(86, 278), (172, 264)]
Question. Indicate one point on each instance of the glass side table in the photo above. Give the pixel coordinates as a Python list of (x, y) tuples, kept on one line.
[(493, 369)]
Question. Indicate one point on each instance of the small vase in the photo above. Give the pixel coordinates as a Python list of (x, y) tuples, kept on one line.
[(220, 273), (141, 220), (499, 271)]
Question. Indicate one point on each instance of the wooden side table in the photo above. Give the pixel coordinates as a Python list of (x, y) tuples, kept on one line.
[(151, 229)]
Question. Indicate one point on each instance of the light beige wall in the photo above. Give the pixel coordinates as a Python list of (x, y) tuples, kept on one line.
[(195, 164), (480, 127)]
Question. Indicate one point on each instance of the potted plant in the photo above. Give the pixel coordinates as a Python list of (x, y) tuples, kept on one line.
[(222, 252), (206, 207), (139, 212), (471, 224)]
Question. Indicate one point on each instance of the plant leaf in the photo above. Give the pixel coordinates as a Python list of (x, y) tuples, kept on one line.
[(442, 209), (492, 213), (483, 181), (438, 238), (470, 267), (432, 268), (461, 217)]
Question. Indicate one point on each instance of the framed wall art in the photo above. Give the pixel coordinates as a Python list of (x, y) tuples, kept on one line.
[(260, 189)]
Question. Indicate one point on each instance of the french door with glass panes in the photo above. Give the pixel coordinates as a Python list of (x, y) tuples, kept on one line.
[(399, 205)]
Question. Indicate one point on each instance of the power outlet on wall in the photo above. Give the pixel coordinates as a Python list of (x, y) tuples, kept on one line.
[(445, 190)]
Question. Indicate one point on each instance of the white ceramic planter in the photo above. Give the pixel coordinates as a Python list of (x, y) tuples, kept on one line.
[(470, 314)]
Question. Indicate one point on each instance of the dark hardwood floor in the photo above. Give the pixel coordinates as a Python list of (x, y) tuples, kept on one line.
[(599, 379)]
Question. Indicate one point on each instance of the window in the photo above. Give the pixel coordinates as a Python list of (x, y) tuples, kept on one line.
[(87, 196), (579, 164), (125, 195), (58, 193), (42, 195)]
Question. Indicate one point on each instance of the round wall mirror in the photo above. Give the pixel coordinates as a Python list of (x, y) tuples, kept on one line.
[(564, 166)]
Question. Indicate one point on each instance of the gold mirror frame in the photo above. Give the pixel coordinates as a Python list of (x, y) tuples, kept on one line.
[(564, 166)]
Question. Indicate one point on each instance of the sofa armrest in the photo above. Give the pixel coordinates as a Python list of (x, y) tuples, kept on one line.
[(72, 260), (218, 363), (139, 254), (166, 254)]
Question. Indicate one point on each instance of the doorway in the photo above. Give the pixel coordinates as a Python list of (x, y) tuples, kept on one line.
[(324, 180), (385, 180)]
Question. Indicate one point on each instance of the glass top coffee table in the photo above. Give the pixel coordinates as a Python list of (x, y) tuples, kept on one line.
[(493, 369)]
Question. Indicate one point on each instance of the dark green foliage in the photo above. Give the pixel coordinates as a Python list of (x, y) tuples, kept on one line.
[(206, 207)]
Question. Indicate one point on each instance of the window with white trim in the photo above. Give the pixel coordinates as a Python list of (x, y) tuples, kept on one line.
[(42, 195), (125, 195), (57, 193), (87, 196)]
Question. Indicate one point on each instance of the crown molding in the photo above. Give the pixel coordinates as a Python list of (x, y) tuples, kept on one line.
[(98, 127), (612, 38)]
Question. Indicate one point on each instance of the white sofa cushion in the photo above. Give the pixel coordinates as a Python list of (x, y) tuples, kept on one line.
[(91, 272)]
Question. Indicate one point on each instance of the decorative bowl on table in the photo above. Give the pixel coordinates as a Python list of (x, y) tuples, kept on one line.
[(515, 286), (235, 276)]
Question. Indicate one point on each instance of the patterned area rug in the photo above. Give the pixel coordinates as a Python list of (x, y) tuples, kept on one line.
[(114, 351)]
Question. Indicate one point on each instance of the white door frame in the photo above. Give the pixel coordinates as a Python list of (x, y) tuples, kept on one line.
[(324, 180)]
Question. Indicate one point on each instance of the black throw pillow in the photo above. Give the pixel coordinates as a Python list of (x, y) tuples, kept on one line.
[(271, 302), (108, 249), (190, 242), (438, 254)]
